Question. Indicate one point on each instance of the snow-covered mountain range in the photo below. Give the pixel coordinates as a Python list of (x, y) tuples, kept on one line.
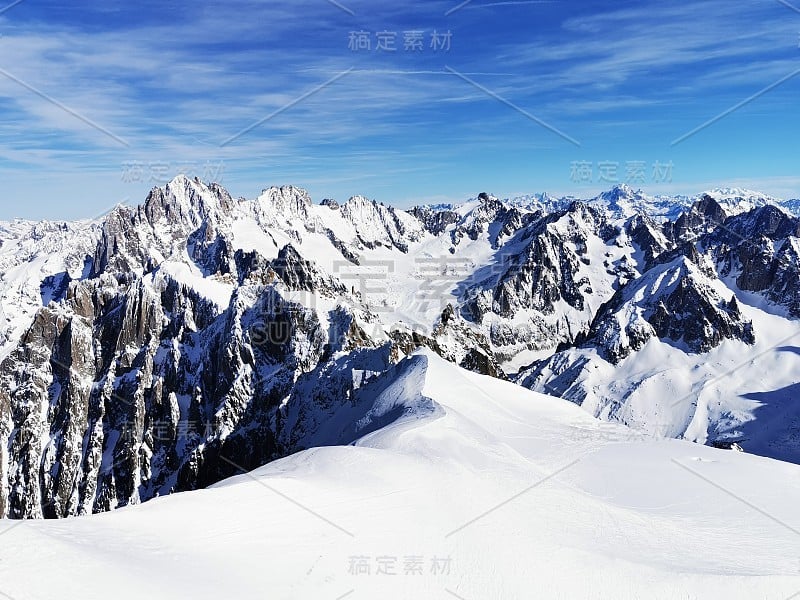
[(168, 346), (623, 200)]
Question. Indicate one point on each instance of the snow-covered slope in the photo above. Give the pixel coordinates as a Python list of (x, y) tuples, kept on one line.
[(474, 488)]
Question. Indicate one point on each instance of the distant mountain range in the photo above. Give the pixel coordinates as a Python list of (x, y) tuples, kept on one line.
[(623, 200)]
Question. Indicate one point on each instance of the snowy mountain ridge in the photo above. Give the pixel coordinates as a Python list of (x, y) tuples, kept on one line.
[(624, 200), (454, 484)]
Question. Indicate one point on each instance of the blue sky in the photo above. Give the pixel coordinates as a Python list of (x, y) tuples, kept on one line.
[(102, 101)]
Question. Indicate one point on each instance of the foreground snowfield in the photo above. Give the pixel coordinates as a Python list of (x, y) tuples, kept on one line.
[(489, 491)]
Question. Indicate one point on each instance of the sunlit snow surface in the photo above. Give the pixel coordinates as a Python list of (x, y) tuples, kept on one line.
[(510, 494)]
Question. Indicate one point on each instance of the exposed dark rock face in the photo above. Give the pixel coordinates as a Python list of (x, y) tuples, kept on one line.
[(546, 271), (760, 250), (172, 220), (435, 221), (492, 218), (332, 204), (464, 344), (300, 274), (130, 384), (690, 315), (703, 217), (688, 312), (673, 302), (151, 393), (406, 342), (557, 375), (454, 339), (646, 234)]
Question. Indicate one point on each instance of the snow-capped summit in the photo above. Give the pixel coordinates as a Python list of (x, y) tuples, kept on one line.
[(620, 191), (739, 200), (195, 198), (622, 200), (542, 202), (285, 200)]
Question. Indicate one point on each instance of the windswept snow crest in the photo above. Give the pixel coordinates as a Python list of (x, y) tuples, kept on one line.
[(480, 489)]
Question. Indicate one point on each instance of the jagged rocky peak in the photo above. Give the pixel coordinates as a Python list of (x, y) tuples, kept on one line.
[(229, 319), (188, 201), (300, 274), (676, 302), (648, 236), (463, 343), (543, 293), (487, 210), (546, 270), (330, 203), (488, 207), (489, 199), (760, 250), (286, 200), (690, 251), (769, 221), (704, 216), (379, 225), (361, 204), (435, 220), (580, 218), (618, 194), (119, 248), (185, 215), (622, 201)]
